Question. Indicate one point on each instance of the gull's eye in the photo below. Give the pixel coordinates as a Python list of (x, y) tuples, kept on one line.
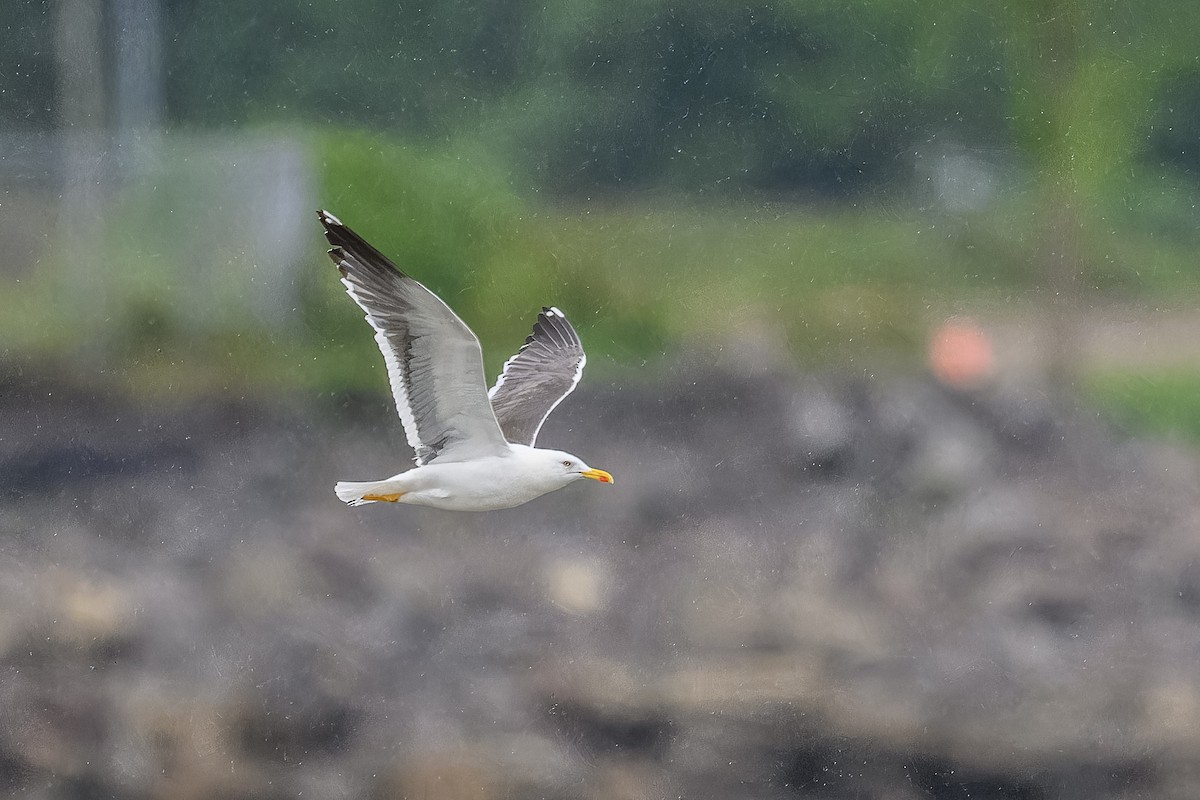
[(566, 463)]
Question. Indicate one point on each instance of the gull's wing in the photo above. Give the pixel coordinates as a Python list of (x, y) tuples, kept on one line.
[(535, 380), (433, 359)]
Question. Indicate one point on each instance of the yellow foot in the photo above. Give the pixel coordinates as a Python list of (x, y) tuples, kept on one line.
[(383, 498)]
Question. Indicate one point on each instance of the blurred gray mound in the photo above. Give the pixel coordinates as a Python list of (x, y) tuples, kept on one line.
[(799, 586)]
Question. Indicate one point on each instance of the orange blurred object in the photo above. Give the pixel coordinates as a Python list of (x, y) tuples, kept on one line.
[(960, 354)]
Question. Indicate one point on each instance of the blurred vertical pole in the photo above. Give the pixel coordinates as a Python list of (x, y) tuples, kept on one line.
[(80, 81), (1046, 35), (1058, 57), (138, 97)]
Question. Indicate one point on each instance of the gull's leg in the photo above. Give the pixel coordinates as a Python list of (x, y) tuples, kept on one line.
[(356, 493), (383, 498)]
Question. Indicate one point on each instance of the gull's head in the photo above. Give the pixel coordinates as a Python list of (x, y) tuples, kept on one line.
[(570, 468)]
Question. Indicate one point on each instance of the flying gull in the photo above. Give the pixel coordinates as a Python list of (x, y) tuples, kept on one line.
[(474, 447)]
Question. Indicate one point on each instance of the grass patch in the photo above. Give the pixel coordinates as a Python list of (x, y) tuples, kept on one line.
[(1164, 404)]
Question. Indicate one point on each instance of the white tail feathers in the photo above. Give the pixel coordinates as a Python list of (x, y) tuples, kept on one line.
[(351, 492)]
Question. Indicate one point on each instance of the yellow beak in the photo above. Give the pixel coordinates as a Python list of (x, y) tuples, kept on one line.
[(597, 475)]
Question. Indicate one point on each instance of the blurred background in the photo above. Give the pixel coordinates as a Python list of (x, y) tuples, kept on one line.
[(894, 352)]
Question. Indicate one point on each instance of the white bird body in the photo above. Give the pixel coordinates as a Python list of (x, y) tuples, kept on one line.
[(481, 484), (474, 447)]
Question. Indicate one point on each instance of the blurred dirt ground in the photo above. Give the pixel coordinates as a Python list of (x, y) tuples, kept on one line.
[(826, 586)]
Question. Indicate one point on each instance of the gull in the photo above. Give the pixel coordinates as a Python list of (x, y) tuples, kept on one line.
[(474, 447)]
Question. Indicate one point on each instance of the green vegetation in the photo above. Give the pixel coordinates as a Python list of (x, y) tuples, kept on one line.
[(669, 173), (855, 284), (1162, 403)]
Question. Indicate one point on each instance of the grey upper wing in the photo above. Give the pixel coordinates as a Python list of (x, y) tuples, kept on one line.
[(544, 371), (434, 363)]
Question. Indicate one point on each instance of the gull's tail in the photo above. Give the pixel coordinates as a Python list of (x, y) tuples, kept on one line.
[(358, 493)]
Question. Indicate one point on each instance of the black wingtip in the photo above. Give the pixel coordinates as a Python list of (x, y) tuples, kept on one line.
[(349, 246)]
